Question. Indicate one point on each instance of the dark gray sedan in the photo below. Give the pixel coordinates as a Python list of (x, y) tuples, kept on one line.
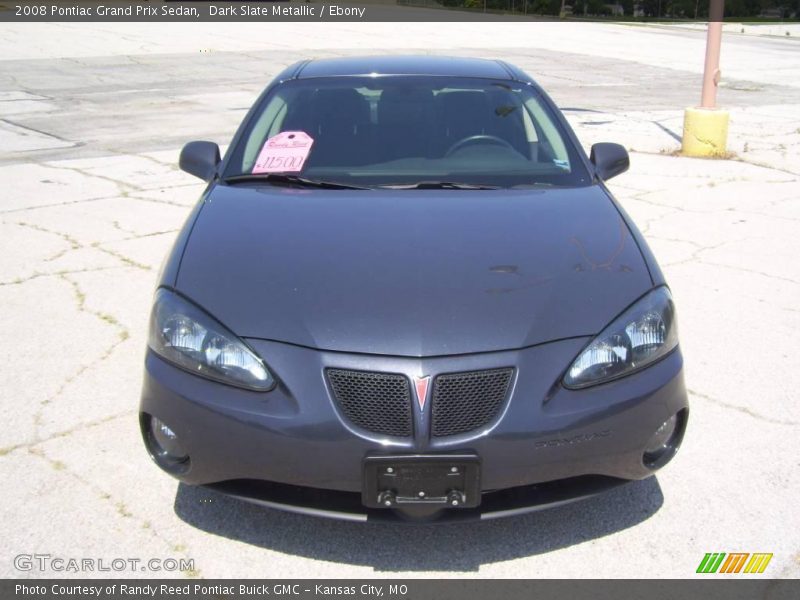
[(407, 292)]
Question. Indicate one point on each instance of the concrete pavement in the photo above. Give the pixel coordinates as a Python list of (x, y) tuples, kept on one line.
[(91, 121)]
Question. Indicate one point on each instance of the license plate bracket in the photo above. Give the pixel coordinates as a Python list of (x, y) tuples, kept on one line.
[(449, 480)]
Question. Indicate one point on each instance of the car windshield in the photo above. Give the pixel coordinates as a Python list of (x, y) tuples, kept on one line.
[(407, 132)]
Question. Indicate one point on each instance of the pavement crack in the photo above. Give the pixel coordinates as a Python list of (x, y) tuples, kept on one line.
[(155, 201), (121, 257), (38, 274), (151, 234), (742, 409), (122, 335), (55, 204), (677, 240), (115, 502), (116, 225), (73, 243), (171, 165), (122, 186), (748, 270), (80, 297), (726, 157), (64, 433), (39, 131), (695, 255), (763, 165), (768, 216), (133, 235)]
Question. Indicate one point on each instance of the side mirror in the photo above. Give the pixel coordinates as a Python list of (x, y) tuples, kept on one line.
[(609, 160), (200, 159)]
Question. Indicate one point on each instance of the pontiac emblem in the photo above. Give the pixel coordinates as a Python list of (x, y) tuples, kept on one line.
[(421, 383)]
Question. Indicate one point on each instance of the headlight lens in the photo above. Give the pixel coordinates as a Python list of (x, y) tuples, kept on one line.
[(185, 335), (640, 336)]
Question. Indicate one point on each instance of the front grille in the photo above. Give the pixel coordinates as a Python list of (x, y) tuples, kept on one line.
[(466, 401), (378, 402)]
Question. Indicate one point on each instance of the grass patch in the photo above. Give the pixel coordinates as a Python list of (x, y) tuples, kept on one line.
[(122, 510)]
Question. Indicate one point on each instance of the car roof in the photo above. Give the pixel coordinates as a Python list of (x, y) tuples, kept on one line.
[(405, 65)]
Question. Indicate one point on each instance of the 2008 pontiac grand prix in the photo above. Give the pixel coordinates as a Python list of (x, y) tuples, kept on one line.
[(407, 292)]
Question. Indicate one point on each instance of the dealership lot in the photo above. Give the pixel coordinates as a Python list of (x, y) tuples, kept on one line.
[(91, 120)]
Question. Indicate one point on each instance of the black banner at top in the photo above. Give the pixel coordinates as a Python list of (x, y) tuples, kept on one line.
[(321, 11), (253, 11)]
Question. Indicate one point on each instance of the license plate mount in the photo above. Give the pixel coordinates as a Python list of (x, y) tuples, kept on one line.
[(448, 480)]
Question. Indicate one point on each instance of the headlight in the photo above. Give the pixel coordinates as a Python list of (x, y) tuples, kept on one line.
[(641, 335), (185, 335)]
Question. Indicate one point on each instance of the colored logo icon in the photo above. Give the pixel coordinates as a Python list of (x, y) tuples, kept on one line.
[(734, 562)]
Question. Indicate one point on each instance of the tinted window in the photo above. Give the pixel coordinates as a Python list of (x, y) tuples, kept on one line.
[(374, 131)]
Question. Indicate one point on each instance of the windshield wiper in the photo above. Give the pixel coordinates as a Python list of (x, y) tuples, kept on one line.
[(439, 185), (284, 179), (538, 184)]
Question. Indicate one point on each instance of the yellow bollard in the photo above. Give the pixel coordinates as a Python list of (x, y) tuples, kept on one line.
[(705, 132), (705, 128)]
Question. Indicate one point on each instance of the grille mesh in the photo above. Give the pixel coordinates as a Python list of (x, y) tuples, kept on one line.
[(378, 402), (466, 401)]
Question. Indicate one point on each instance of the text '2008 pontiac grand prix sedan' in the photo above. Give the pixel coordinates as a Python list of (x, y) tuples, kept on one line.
[(407, 292)]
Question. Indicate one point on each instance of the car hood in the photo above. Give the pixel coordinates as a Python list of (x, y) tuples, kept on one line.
[(411, 273)]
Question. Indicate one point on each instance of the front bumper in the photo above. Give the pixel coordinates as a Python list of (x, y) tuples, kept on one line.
[(292, 449)]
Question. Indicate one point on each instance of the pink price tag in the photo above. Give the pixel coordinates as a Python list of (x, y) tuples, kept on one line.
[(284, 153)]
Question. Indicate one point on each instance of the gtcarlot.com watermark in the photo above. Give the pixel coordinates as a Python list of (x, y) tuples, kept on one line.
[(45, 563)]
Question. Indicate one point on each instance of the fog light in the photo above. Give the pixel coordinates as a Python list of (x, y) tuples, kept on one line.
[(660, 438), (166, 442), (663, 443), (163, 445)]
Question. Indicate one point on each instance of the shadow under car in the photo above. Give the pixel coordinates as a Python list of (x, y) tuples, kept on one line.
[(395, 547)]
